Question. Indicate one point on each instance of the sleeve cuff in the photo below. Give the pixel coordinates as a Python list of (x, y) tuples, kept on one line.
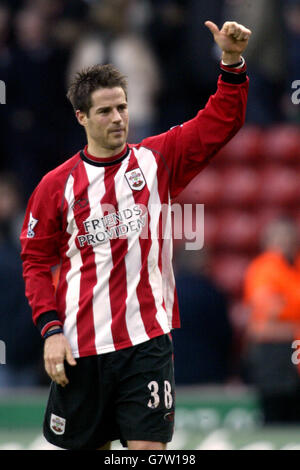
[(239, 67), (47, 320), (235, 73)]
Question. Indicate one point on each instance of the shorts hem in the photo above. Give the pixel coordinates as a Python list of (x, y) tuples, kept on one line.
[(88, 446), (52, 442), (146, 437)]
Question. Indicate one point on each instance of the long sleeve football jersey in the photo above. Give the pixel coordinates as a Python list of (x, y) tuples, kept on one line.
[(107, 222)]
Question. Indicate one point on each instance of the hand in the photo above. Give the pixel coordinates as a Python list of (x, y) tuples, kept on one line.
[(56, 350), (232, 39)]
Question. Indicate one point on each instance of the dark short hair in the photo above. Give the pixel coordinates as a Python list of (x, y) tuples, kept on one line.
[(91, 79)]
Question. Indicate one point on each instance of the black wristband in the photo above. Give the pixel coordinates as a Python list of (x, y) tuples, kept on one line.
[(53, 332)]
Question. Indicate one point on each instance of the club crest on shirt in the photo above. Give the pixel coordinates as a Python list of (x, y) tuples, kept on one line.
[(57, 424), (135, 179), (31, 224)]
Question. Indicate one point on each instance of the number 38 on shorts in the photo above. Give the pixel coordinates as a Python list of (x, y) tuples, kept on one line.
[(156, 392)]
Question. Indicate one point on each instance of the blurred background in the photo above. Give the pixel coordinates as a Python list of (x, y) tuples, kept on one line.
[(236, 370)]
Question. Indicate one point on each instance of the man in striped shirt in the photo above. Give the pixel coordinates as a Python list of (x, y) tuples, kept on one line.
[(105, 217)]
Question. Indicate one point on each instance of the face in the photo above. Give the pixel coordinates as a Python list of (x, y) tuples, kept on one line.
[(284, 238), (106, 124)]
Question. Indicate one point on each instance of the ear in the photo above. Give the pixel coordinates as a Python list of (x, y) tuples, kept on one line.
[(81, 117)]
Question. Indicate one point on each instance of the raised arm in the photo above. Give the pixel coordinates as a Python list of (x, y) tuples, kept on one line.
[(187, 148)]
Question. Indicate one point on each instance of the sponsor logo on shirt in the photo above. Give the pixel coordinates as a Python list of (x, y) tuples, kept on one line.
[(113, 225), (80, 204), (31, 224)]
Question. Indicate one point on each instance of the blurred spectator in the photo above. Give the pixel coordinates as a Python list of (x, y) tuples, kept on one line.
[(266, 56), (203, 345), (70, 19), (292, 19), (23, 343), (12, 4), (36, 106), (110, 38), (176, 26), (5, 22), (202, 55), (166, 31), (273, 296), (5, 61)]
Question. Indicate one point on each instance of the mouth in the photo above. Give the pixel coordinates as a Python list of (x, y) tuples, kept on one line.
[(117, 130)]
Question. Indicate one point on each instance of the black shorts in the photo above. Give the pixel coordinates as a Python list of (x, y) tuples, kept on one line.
[(127, 394)]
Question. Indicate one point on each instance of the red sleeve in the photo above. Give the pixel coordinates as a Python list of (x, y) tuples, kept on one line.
[(40, 237), (186, 149)]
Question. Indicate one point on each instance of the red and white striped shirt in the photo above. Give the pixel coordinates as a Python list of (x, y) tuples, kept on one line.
[(108, 223)]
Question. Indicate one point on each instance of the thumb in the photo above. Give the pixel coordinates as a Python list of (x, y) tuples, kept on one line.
[(212, 27), (69, 357)]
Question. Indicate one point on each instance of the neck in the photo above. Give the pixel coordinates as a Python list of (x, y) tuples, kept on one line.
[(290, 258), (101, 152)]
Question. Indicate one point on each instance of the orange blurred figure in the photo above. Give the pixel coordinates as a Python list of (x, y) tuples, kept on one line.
[(272, 293)]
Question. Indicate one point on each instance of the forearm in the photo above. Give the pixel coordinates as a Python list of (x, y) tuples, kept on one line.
[(198, 140), (40, 293), (224, 113)]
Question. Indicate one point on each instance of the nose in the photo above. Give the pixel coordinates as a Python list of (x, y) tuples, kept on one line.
[(116, 116)]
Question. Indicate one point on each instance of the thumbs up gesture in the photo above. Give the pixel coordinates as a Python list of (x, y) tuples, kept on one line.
[(232, 39)]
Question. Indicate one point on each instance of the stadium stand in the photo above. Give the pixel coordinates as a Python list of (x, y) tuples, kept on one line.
[(254, 179)]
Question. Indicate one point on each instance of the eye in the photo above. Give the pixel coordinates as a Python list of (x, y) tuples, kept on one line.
[(103, 111), (122, 107)]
